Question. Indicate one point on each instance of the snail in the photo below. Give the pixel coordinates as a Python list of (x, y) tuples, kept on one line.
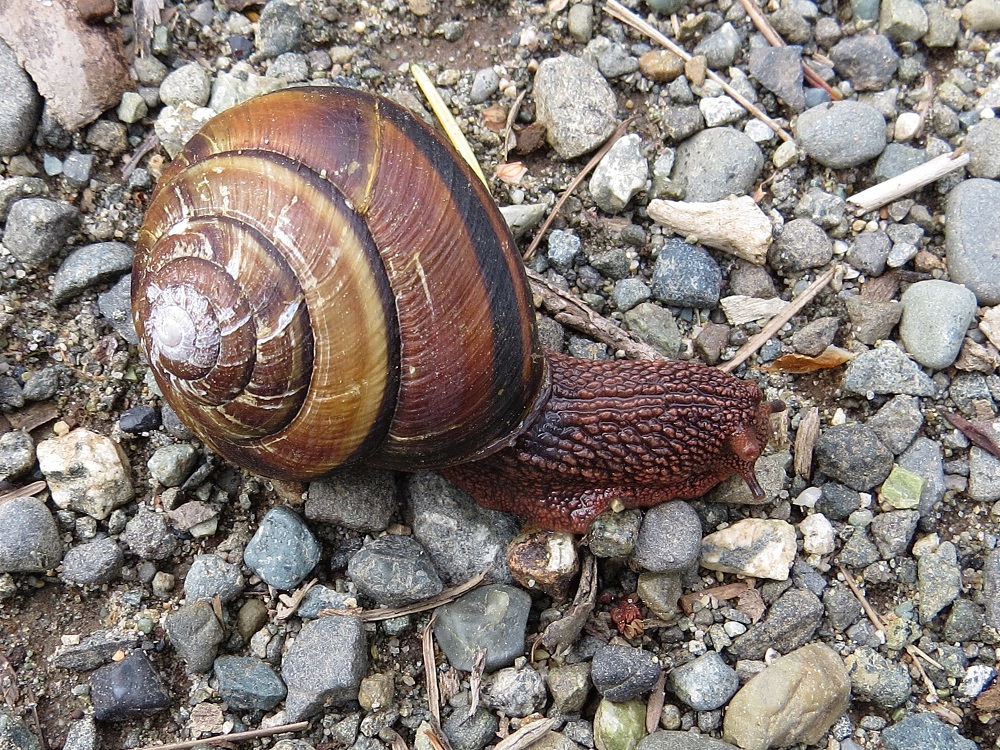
[(320, 282)]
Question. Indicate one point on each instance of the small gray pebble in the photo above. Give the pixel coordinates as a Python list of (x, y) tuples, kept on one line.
[(37, 229), (211, 576), (248, 684), (283, 550), (394, 571), (195, 633), (90, 265), (93, 563), (669, 539), (622, 673)]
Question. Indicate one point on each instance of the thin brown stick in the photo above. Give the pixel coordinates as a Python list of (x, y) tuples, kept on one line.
[(623, 14), (235, 737), (571, 312), (387, 613), (774, 325), (27, 491), (619, 132), (912, 179), (774, 39)]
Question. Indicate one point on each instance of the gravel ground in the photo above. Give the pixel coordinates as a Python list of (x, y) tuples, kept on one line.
[(151, 592)]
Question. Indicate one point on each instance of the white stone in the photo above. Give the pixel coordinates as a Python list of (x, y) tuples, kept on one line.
[(907, 125), (758, 547), (720, 110), (86, 472), (817, 535)]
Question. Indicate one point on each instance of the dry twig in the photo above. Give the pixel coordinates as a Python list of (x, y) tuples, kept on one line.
[(27, 491), (913, 651), (430, 673), (775, 324), (525, 736), (912, 179), (387, 613), (654, 704), (623, 14), (619, 132), (775, 40), (234, 737), (569, 311)]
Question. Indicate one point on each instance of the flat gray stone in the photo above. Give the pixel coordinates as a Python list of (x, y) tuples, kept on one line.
[(575, 103), (715, 163), (972, 238), (842, 134), (324, 665)]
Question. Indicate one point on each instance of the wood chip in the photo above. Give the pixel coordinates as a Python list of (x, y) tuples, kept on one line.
[(990, 325), (805, 441), (740, 309), (736, 226)]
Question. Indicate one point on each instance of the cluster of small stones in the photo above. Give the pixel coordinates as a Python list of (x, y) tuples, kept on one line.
[(143, 550)]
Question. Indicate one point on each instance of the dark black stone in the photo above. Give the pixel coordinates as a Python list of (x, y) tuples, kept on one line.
[(139, 419), (127, 689)]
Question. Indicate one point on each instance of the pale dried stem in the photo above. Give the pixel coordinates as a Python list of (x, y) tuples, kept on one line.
[(775, 324), (573, 313), (447, 120), (619, 132), (526, 735), (903, 184), (234, 737), (913, 651), (623, 14), (430, 674), (387, 613)]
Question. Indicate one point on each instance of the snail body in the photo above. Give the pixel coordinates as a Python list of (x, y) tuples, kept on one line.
[(320, 282)]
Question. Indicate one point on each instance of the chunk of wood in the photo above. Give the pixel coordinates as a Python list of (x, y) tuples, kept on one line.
[(736, 226), (740, 309)]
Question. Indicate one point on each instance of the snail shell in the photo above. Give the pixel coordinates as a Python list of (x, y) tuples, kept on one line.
[(320, 280)]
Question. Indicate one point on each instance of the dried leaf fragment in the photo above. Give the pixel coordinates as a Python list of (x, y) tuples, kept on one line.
[(984, 437), (832, 356)]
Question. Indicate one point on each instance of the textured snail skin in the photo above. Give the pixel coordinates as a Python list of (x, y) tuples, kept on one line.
[(320, 282), (639, 433)]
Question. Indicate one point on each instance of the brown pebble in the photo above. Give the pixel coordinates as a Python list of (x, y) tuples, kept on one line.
[(420, 7), (696, 69), (92, 11), (926, 261), (661, 65), (531, 138)]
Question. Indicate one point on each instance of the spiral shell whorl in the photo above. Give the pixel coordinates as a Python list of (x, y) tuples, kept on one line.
[(315, 285)]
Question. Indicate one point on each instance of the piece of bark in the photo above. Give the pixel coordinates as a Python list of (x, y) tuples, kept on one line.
[(736, 226), (740, 309), (805, 440), (79, 69)]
